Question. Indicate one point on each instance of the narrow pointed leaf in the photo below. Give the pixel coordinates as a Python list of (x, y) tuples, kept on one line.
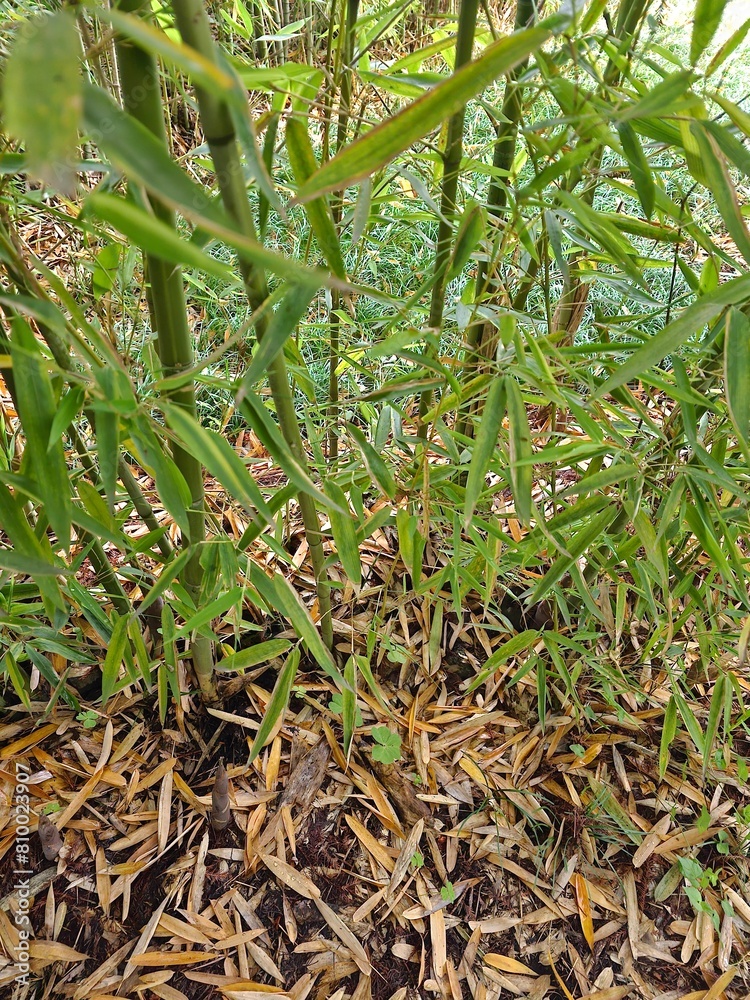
[(382, 143), (519, 438), (42, 96), (258, 417), (115, 654), (282, 325), (737, 372), (640, 171), (277, 704), (484, 446), (215, 453), (37, 408), (155, 237), (705, 22), (279, 594), (691, 321), (349, 703), (304, 165), (344, 532)]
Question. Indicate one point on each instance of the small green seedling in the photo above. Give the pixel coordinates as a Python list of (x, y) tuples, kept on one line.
[(336, 705), (417, 859), (388, 749), (88, 719), (448, 893)]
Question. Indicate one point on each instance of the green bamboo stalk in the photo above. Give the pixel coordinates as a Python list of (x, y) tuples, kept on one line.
[(351, 13), (502, 160), (570, 308), (467, 22), (219, 131), (139, 79), (629, 15)]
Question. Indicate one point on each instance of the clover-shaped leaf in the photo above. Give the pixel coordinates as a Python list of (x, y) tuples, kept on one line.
[(388, 747)]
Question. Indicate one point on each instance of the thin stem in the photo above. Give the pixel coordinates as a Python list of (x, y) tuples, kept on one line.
[(502, 161), (218, 129), (141, 93), (334, 322), (467, 22)]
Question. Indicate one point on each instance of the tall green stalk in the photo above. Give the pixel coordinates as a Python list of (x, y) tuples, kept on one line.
[(351, 13), (502, 161), (454, 145), (571, 306), (219, 131), (139, 79)]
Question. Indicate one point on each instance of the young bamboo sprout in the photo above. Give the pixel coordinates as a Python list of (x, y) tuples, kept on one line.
[(221, 813)]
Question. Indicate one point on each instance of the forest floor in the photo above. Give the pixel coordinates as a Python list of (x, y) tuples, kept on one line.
[(499, 856)]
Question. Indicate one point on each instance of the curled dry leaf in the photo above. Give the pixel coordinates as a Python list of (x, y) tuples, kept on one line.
[(221, 813), (50, 837)]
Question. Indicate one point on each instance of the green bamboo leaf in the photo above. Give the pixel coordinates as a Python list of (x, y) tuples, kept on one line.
[(728, 143), (698, 519), (484, 446), (282, 325), (318, 211), (723, 190), (715, 712), (37, 408), (691, 321), (169, 573), (42, 96), (170, 482), (668, 731), (254, 410), (156, 237), (202, 71), (349, 703), (217, 455), (376, 467), (114, 656), (136, 151), (384, 142), (32, 566), (344, 532), (277, 704), (469, 237), (737, 372), (640, 171), (239, 110), (169, 648), (519, 643), (18, 679), (261, 652), (706, 20), (278, 594), (607, 234), (663, 99), (98, 510), (519, 440), (67, 410), (575, 548), (730, 45), (108, 433), (216, 608), (691, 723)]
